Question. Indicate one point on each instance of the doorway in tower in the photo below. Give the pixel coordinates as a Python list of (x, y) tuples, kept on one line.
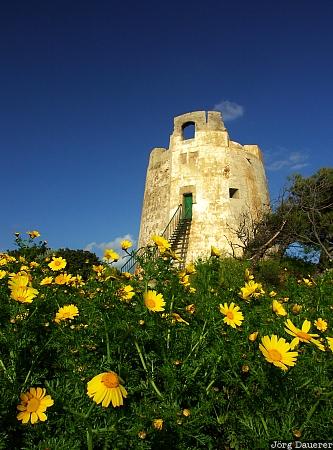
[(187, 206)]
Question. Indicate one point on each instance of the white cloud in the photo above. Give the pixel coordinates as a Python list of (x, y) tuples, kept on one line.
[(284, 159), (99, 248), (230, 110)]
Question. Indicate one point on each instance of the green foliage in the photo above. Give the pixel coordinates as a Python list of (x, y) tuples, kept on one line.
[(78, 261), (29, 248), (303, 216), (235, 398)]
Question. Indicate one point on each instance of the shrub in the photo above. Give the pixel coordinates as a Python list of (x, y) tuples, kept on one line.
[(79, 262)]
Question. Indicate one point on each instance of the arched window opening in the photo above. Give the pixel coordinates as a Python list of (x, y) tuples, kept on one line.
[(188, 130), (233, 193)]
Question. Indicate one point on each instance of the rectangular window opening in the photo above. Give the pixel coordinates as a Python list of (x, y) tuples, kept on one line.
[(233, 193)]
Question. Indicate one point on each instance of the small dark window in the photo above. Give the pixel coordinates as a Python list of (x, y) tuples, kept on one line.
[(188, 130), (233, 193)]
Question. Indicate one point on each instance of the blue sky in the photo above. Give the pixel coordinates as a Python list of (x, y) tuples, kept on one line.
[(89, 88)]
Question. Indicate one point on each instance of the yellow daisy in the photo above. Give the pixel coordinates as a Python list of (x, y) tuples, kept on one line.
[(248, 275), (158, 424), (277, 351), (321, 324), (234, 317), (33, 234), (57, 263), (126, 293), (23, 294), (153, 301), (278, 308), (66, 312), (125, 245), (46, 280), (111, 255), (33, 405), (105, 388), (251, 289), (20, 279), (330, 342), (3, 273), (302, 335), (63, 278), (214, 251), (161, 243), (253, 336)]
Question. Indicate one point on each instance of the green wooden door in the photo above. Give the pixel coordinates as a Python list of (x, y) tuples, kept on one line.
[(187, 206)]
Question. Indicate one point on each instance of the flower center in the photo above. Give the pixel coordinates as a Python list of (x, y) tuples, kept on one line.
[(230, 315), (274, 354), (33, 405), (150, 303), (303, 335), (110, 380)]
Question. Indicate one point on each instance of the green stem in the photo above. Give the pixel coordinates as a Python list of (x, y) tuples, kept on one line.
[(140, 355), (108, 354), (34, 362), (89, 439), (5, 371), (151, 381), (201, 338), (169, 329)]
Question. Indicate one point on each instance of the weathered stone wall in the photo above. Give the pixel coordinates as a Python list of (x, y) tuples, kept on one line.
[(208, 166), (155, 209)]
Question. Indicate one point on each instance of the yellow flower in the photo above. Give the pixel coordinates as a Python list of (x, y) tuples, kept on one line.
[(63, 278), (190, 308), (161, 243), (296, 309), (251, 289), (277, 351), (186, 412), (66, 312), (23, 294), (234, 317), (214, 251), (105, 388), (33, 405), (46, 280), (248, 275), (127, 275), (20, 279), (57, 263), (33, 234), (184, 279), (125, 245), (153, 301), (158, 424), (34, 264), (77, 281), (278, 308), (3, 273), (308, 282), (272, 294), (176, 318), (330, 342), (302, 335), (253, 336), (111, 255), (126, 293), (189, 269), (321, 324)]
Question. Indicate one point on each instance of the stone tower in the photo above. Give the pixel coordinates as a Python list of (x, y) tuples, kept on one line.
[(216, 180)]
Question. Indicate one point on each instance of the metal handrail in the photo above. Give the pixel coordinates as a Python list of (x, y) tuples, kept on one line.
[(167, 233), (172, 225)]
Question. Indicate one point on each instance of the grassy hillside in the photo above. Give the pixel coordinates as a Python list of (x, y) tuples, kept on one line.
[(173, 359)]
